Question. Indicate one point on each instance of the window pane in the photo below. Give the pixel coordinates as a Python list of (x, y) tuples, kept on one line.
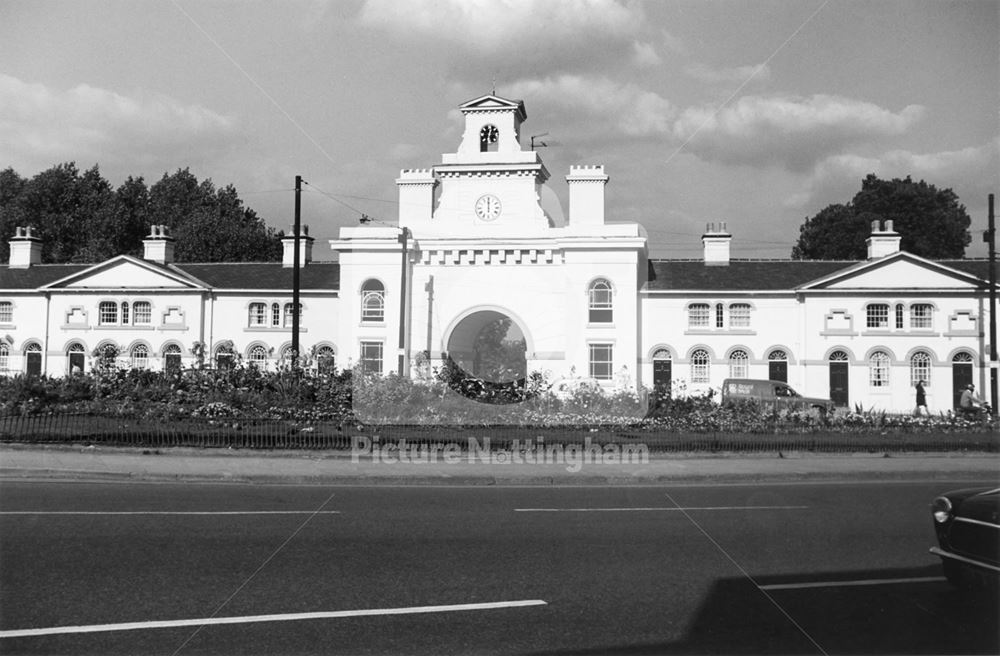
[(373, 306), (289, 317), (140, 357), (258, 314), (6, 312), (878, 316), (371, 357), (878, 369), (108, 313), (698, 315), (142, 312), (699, 366), (258, 356), (738, 364), (920, 368), (601, 361), (275, 314), (920, 316), (739, 315)]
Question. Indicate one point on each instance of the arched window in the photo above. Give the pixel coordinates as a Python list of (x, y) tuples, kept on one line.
[(4, 358), (777, 365), (600, 305), (257, 314), (326, 360), (373, 301), (139, 357), (921, 315), (698, 315), (739, 364), (142, 313), (920, 368), (172, 358), (661, 354), (33, 359), (290, 317), (224, 356), (257, 356), (739, 315), (838, 356), (700, 366), (720, 315), (489, 138), (275, 315), (962, 357), (899, 316), (124, 314), (878, 369)]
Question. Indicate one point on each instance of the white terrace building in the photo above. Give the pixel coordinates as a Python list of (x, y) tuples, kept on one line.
[(475, 243)]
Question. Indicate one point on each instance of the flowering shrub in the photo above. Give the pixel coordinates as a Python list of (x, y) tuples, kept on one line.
[(318, 395)]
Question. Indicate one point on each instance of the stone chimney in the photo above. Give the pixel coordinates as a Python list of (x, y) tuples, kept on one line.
[(883, 241), (586, 195), (716, 241), (305, 248), (158, 245), (25, 248)]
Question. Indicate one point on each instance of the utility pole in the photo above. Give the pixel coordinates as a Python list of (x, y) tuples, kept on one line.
[(991, 238), (296, 282)]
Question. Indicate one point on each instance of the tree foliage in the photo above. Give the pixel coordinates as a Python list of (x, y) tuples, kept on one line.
[(931, 222), (81, 218)]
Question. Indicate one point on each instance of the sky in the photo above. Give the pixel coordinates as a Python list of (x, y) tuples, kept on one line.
[(756, 113)]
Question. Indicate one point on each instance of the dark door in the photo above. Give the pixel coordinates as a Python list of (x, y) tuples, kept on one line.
[(76, 362), (961, 375), (661, 378), (777, 370), (33, 366), (839, 392)]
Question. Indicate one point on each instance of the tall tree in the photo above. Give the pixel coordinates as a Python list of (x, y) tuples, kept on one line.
[(932, 222)]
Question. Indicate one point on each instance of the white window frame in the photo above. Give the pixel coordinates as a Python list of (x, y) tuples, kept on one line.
[(878, 369), (6, 312), (701, 366), (920, 368), (257, 314), (877, 316), (739, 364), (921, 316), (699, 315), (372, 351), (601, 359)]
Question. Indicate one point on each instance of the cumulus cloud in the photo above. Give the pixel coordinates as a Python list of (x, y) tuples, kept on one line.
[(40, 126), (644, 54), (838, 178), (627, 108), (485, 25), (789, 131)]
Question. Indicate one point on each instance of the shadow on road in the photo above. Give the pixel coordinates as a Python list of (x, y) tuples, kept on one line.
[(899, 617)]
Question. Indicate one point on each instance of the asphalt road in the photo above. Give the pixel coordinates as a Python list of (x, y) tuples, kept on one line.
[(742, 569)]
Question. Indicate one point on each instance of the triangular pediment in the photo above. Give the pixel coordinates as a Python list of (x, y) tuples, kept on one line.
[(491, 101), (897, 271), (126, 272)]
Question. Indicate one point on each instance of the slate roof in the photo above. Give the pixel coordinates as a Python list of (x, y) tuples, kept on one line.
[(263, 275), (37, 275), (228, 275), (763, 275)]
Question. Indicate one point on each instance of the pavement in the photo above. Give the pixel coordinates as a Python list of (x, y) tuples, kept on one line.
[(74, 462)]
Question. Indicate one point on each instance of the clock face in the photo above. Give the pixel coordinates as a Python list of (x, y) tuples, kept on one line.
[(488, 207)]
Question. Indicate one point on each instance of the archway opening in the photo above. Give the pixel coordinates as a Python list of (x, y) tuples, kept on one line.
[(486, 358)]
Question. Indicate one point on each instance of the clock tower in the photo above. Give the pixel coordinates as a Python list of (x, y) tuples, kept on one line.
[(489, 187)]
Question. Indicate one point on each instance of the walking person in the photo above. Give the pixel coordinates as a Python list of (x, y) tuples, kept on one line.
[(921, 409)]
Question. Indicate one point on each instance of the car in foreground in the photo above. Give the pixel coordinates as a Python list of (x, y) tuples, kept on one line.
[(967, 523)]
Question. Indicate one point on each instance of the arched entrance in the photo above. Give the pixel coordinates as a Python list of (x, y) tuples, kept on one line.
[(486, 357)]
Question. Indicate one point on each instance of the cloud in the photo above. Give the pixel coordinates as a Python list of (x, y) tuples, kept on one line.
[(837, 178), (40, 127), (626, 108), (789, 131), (644, 54), (486, 25)]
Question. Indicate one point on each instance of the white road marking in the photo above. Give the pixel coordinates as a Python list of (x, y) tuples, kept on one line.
[(250, 619), (844, 584), (665, 508), (169, 512)]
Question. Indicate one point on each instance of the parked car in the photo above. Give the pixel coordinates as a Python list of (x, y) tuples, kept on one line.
[(967, 523), (772, 395)]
